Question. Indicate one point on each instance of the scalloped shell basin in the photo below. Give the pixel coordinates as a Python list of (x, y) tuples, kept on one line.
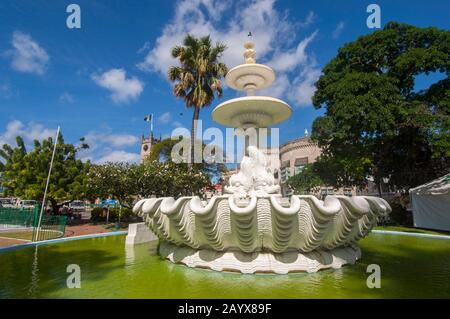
[(259, 111), (262, 234)]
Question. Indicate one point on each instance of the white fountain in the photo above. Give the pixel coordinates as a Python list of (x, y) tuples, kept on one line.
[(251, 228)]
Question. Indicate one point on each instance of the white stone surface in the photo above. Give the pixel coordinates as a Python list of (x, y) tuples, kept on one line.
[(250, 76), (247, 77), (262, 224), (251, 111), (139, 233), (254, 176), (260, 262)]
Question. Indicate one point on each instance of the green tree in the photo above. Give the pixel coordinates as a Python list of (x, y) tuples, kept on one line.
[(113, 180), (305, 181), (197, 79), (25, 173), (163, 179), (126, 182), (377, 122)]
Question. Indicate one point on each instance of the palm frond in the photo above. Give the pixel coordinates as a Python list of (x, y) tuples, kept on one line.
[(177, 51), (198, 76), (174, 73)]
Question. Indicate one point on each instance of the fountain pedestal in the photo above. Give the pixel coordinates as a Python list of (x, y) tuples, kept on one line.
[(260, 262)]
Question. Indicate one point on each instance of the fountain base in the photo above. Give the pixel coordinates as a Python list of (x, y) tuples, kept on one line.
[(260, 262)]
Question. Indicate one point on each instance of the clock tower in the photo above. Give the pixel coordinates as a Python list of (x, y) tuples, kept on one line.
[(146, 147)]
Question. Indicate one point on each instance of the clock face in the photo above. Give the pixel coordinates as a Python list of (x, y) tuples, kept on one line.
[(145, 148)]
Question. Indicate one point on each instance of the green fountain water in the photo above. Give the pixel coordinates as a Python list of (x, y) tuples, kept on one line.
[(410, 268)]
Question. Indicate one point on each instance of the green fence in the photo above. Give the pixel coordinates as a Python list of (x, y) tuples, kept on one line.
[(15, 222)]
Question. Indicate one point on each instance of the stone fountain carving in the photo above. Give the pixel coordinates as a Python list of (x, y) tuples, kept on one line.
[(252, 228), (254, 177)]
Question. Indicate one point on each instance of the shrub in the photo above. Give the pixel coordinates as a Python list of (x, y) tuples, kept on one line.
[(126, 215)]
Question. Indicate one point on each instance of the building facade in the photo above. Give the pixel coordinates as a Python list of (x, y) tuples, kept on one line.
[(294, 156)]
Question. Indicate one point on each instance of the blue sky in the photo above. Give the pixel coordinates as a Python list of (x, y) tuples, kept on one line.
[(101, 80)]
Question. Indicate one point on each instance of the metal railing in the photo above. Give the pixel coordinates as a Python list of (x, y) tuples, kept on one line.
[(20, 220)]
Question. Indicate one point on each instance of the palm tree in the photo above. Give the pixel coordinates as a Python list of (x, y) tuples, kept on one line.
[(197, 79)]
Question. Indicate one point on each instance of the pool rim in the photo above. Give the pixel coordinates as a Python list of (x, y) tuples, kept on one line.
[(117, 233), (60, 240)]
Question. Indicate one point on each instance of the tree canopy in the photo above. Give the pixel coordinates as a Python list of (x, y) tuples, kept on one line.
[(306, 181), (126, 182), (379, 121), (25, 173)]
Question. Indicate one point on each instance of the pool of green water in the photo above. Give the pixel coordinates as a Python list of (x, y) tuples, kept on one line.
[(411, 267)]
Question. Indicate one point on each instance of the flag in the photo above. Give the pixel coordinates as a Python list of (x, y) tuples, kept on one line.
[(149, 118)]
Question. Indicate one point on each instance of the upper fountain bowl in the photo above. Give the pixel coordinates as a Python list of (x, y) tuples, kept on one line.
[(250, 77)]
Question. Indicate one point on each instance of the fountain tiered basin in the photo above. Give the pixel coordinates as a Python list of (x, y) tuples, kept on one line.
[(252, 228)]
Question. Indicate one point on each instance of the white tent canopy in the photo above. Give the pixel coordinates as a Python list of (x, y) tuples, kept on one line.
[(431, 204)]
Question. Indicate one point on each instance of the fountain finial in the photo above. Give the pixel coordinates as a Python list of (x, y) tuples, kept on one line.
[(249, 53)]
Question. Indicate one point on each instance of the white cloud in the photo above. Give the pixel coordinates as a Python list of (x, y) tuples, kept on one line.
[(284, 61), (103, 147), (29, 132), (96, 139), (144, 48), (303, 86), (5, 91), (203, 17), (119, 156), (13, 129), (279, 87), (338, 30), (165, 118), (66, 98), (121, 88), (36, 131), (273, 35), (120, 140), (177, 124), (27, 56), (297, 71), (107, 146), (310, 19)]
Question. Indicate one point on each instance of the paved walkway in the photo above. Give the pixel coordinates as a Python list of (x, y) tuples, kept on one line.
[(4, 242), (71, 230), (85, 229)]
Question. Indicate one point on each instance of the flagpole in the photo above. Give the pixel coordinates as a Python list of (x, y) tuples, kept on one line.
[(46, 185), (151, 126)]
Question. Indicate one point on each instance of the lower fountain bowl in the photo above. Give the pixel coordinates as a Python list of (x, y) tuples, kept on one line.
[(262, 233)]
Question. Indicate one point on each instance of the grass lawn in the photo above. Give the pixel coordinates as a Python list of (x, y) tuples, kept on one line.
[(412, 230)]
